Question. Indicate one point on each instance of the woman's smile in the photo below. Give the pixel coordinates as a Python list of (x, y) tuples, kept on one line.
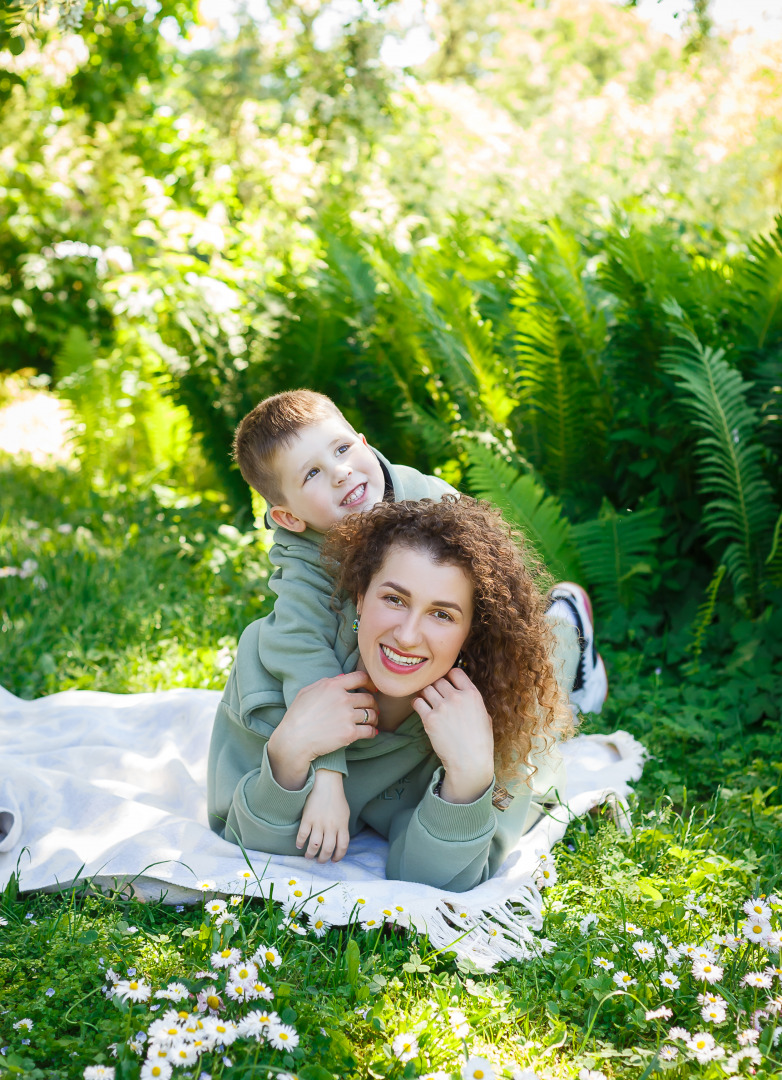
[(414, 619)]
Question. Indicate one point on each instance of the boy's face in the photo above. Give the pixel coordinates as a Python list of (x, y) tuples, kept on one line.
[(326, 473)]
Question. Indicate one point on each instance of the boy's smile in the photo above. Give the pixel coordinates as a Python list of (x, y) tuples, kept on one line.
[(326, 473)]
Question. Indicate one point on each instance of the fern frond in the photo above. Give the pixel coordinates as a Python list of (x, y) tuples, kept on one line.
[(758, 288), (773, 564), (618, 553), (525, 504), (740, 511), (703, 619), (560, 331)]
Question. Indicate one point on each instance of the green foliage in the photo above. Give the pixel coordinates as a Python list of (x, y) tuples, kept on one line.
[(619, 553), (739, 515), (523, 502), (705, 615)]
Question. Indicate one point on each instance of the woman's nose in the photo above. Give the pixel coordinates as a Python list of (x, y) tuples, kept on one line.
[(408, 631)]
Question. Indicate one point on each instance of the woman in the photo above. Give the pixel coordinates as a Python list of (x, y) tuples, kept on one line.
[(462, 665)]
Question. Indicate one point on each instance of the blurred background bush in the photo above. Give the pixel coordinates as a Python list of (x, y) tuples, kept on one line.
[(532, 248)]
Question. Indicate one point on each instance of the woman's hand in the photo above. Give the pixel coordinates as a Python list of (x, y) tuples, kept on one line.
[(323, 717), (460, 731)]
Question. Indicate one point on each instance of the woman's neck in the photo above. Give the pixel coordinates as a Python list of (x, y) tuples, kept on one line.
[(392, 711)]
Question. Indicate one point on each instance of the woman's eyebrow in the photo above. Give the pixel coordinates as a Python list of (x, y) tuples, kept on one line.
[(435, 603)]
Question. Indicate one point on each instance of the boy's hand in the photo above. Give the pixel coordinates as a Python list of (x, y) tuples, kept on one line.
[(325, 819)]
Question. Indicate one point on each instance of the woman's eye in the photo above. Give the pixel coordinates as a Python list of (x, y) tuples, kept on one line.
[(392, 599), (443, 616)]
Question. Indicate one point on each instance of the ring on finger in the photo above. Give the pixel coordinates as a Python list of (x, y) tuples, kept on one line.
[(366, 718)]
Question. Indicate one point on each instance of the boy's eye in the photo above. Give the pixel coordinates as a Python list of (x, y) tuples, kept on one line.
[(342, 449), (310, 474)]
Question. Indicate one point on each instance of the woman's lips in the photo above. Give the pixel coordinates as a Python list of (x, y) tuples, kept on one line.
[(397, 668)]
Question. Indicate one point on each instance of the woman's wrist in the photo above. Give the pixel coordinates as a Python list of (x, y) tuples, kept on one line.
[(464, 789), (289, 769)]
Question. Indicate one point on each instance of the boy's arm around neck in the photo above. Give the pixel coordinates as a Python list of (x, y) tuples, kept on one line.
[(304, 639)]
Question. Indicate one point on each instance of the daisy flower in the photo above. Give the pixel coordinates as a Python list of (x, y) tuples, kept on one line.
[(183, 1054), (156, 1070), (245, 875), (319, 927), (703, 952), (459, 1023), (163, 1037), (175, 991), (405, 1046), (714, 1014), (591, 1074), (774, 971), (206, 886), (225, 958), (268, 955), (710, 973), (588, 922), (215, 907), (670, 980), (243, 973), (756, 930), (644, 950), (222, 1032), (663, 1013), (547, 875), (668, 1053), (227, 918), (236, 991), (263, 1018), (99, 1072), (757, 979), (774, 941), (672, 958), (679, 1033), (602, 962), (206, 975), (748, 1036), (623, 979), (132, 990), (631, 928), (474, 1068), (259, 990), (210, 999), (703, 1047), (254, 1025), (372, 922), (283, 1037), (710, 999), (757, 909), (234, 900)]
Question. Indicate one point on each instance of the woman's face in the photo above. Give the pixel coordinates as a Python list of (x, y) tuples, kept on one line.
[(414, 618)]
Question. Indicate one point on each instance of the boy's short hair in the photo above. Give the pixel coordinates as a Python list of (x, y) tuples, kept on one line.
[(272, 425)]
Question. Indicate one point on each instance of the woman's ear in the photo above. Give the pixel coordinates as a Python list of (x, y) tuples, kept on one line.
[(286, 520)]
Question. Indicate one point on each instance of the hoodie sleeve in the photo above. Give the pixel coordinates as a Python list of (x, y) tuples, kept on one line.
[(298, 640)]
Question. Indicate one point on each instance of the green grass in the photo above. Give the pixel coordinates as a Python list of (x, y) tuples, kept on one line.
[(136, 593)]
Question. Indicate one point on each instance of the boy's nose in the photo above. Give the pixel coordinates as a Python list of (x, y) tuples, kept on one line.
[(341, 472)]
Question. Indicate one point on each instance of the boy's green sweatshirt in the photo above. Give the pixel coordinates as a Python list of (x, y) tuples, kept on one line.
[(390, 782), (304, 639)]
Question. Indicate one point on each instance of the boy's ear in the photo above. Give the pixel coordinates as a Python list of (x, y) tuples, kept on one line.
[(286, 520)]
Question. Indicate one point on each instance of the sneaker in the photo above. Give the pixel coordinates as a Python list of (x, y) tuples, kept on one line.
[(570, 602)]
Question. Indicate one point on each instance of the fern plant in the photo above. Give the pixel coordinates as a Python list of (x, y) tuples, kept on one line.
[(703, 620), (739, 514), (560, 330), (524, 503), (619, 553)]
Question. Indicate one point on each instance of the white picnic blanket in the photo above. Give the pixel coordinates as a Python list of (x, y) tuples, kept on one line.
[(111, 788)]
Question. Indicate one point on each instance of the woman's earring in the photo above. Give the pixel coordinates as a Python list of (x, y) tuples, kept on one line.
[(460, 661), (355, 624)]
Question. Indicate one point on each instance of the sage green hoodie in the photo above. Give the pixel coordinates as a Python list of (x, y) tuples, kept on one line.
[(390, 781)]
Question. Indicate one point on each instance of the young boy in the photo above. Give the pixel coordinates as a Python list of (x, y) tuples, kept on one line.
[(312, 468), (301, 454)]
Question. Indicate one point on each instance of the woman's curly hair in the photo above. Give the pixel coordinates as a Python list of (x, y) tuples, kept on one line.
[(508, 650)]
